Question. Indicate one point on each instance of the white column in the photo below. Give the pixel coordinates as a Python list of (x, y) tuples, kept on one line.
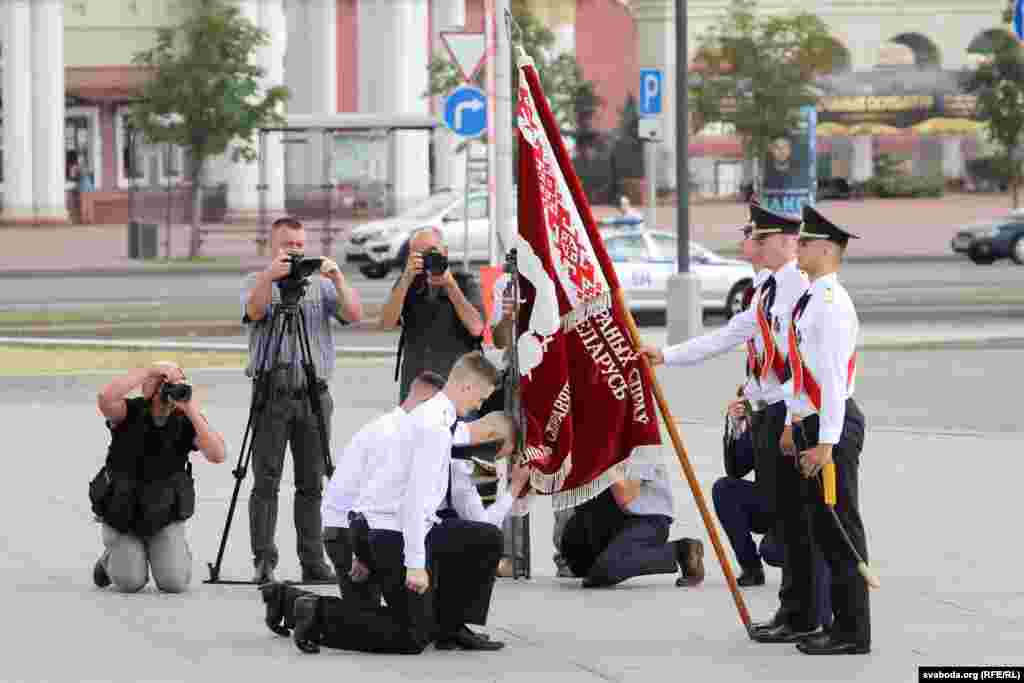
[(322, 35), (449, 166), (862, 165), (656, 49), (244, 178), (393, 80), (19, 201), (48, 110), (952, 158)]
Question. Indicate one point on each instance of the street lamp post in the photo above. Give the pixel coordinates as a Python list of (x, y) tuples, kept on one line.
[(684, 313)]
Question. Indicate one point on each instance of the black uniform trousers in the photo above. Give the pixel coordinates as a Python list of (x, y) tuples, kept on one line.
[(462, 557), (849, 591), (607, 546), (786, 493), (339, 544)]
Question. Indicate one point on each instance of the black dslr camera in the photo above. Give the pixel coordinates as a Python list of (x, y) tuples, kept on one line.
[(175, 392), (435, 262), (302, 267)]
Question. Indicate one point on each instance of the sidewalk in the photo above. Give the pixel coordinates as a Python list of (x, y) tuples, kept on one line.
[(890, 230)]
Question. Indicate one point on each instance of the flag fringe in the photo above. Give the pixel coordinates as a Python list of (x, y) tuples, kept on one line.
[(586, 310), (564, 500)]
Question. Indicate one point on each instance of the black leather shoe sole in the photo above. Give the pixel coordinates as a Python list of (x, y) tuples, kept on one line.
[(306, 635), (273, 597), (99, 575), (466, 642), (782, 635), (826, 645)]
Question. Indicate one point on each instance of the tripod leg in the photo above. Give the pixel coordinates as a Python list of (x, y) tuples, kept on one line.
[(315, 404), (260, 398), (241, 469)]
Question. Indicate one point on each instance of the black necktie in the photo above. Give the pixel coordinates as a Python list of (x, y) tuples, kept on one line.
[(768, 297), (801, 304), (448, 492)]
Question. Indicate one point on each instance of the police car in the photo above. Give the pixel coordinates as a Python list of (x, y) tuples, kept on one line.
[(644, 259)]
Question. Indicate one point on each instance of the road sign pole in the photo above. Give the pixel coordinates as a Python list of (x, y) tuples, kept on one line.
[(652, 183)]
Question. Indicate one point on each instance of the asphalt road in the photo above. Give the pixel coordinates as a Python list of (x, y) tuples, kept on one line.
[(883, 291)]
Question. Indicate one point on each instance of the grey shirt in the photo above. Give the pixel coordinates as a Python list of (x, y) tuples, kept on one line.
[(655, 497), (434, 335), (319, 304)]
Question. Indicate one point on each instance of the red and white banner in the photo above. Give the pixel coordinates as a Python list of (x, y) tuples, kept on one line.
[(585, 396)]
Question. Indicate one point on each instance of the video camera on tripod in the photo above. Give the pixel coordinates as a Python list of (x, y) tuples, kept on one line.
[(293, 285)]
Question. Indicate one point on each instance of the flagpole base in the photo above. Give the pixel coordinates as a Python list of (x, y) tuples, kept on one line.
[(684, 313)]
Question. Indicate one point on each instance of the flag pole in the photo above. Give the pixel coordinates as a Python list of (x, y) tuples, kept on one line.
[(684, 461)]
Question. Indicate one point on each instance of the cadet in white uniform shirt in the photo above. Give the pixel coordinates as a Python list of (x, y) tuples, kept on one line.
[(399, 498), (824, 364), (777, 479)]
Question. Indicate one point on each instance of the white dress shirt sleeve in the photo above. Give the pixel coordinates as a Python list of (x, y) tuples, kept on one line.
[(467, 503), (741, 327), (497, 297), (429, 450), (837, 338)]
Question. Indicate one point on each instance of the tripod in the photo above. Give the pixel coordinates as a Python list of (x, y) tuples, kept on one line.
[(287, 320)]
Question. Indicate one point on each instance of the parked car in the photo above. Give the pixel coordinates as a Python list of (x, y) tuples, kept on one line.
[(987, 242), (379, 243), (644, 259)]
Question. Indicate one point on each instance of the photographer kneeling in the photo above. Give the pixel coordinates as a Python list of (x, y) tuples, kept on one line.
[(439, 311), (144, 492)]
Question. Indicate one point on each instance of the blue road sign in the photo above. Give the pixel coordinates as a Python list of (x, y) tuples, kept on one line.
[(650, 92), (1018, 19), (465, 111)]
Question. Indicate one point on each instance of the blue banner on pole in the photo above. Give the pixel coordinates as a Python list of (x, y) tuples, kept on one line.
[(1018, 19), (791, 168)]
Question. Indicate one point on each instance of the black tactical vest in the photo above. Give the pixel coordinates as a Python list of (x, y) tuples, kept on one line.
[(147, 481)]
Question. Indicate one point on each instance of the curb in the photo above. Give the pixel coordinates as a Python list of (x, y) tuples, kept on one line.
[(140, 345), (377, 352), (143, 271)]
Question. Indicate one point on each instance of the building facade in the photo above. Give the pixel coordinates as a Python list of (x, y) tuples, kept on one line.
[(68, 79)]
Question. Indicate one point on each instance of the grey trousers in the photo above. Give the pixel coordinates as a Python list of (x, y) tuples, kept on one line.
[(288, 421), (129, 558)]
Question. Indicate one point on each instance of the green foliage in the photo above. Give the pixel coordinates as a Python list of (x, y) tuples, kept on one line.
[(205, 86), (570, 95), (757, 72), (999, 87), (905, 186)]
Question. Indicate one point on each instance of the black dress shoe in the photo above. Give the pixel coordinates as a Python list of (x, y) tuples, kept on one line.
[(99, 572), (781, 634), (826, 644), (307, 630), (690, 558), (320, 573), (751, 577), (274, 598), (776, 621), (464, 639)]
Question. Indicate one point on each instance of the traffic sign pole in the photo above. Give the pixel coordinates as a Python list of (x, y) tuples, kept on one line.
[(650, 113)]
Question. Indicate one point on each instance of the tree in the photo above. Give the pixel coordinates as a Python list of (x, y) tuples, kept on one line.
[(756, 72), (205, 93), (568, 92), (998, 84)]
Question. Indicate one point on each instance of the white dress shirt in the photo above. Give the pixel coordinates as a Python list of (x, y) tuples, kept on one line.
[(466, 499), (790, 284), (498, 299), (752, 390), (407, 483), (826, 338), (375, 443)]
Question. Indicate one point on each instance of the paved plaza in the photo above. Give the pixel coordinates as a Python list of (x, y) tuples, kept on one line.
[(940, 475)]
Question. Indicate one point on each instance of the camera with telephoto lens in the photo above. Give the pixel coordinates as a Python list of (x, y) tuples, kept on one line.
[(435, 262), (175, 391)]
